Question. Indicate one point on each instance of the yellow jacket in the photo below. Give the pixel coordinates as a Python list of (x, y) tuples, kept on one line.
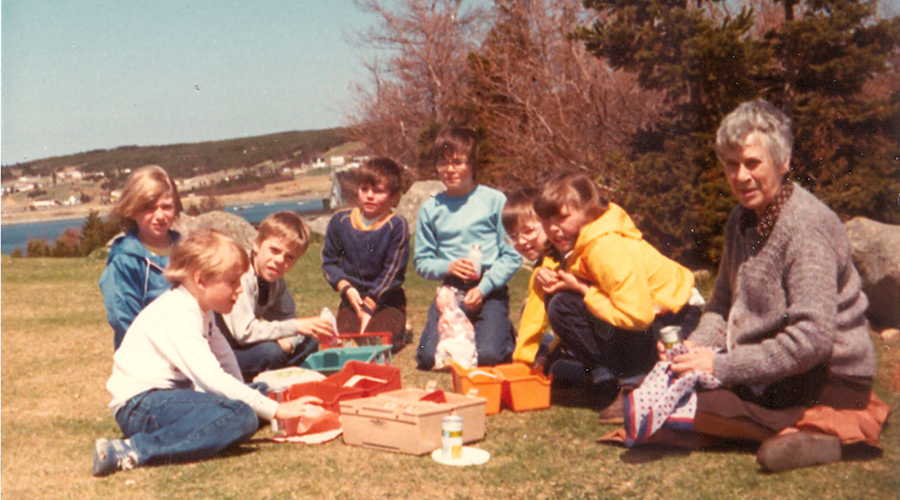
[(632, 281), (533, 323)]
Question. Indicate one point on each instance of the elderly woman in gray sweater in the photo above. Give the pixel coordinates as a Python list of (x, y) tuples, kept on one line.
[(784, 329)]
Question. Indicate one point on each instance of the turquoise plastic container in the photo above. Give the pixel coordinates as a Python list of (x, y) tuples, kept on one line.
[(333, 360)]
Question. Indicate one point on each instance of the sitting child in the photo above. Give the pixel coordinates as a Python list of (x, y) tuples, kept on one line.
[(262, 327), (365, 255), (449, 225), (616, 290), (134, 269), (177, 391)]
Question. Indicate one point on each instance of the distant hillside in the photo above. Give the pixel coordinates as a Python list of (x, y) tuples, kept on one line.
[(187, 160)]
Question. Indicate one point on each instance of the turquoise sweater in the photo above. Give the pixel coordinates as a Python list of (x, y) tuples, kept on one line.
[(447, 227)]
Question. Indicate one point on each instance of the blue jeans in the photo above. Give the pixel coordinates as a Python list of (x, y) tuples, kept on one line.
[(254, 359), (494, 334), (606, 352), (167, 425)]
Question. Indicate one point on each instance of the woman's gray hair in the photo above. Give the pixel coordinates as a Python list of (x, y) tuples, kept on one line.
[(761, 117)]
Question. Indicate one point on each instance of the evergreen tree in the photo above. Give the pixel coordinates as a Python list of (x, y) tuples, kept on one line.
[(706, 62)]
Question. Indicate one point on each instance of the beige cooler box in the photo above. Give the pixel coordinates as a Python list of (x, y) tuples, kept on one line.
[(409, 420)]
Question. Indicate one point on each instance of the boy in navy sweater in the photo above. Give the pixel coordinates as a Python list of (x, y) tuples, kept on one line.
[(365, 255)]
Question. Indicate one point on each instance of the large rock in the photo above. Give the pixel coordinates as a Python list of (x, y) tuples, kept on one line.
[(319, 224), (416, 195), (408, 206), (876, 256), (233, 225)]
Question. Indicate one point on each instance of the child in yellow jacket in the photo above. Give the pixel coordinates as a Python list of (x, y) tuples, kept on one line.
[(614, 290)]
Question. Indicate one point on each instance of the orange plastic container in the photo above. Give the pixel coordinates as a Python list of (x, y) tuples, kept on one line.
[(485, 381), (524, 388)]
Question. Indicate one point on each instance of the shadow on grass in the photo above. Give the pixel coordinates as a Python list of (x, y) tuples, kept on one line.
[(653, 452), (236, 450)]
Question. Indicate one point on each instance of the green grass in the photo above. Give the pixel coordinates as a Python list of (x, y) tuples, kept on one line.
[(56, 357)]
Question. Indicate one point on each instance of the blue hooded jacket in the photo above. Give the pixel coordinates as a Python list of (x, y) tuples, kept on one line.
[(132, 279)]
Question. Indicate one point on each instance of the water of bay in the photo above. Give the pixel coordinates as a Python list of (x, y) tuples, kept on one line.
[(14, 236)]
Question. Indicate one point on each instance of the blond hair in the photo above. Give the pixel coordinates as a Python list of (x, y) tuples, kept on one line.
[(289, 227), (142, 189), (207, 251)]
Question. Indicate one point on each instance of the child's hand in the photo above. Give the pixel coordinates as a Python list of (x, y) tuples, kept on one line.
[(364, 319), (299, 407), (473, 300), (463, 269), (567, 281), (354, 298), (315, 326), (545, 278), (286, 345), (539, 362)]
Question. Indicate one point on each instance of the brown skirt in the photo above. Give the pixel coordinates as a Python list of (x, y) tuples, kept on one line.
[(740, 413)]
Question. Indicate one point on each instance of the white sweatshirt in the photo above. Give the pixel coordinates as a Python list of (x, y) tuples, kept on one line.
[(173, 344)]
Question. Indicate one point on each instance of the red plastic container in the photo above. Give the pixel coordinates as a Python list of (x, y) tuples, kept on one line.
[(344, 338), (373, 378)]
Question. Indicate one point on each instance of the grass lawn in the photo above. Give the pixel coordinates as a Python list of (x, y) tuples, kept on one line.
[(57, 355)]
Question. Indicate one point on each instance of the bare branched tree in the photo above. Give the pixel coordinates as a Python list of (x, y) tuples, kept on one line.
[(544, 101), (418, 48)]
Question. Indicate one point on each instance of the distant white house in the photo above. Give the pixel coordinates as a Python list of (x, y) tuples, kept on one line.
[(319, 163), (73, 200), (71, 175), (44, 203), (338, 161), (26, 187)]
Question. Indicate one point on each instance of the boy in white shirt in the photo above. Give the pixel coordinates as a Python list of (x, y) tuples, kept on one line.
[(177, 391)]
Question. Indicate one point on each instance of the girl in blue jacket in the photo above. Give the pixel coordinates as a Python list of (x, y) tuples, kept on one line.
[(134, 269)]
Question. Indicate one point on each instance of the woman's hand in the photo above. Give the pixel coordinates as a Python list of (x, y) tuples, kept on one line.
[(315, 326), (300, 407), (463, 269), (698, 358), (661, 349)]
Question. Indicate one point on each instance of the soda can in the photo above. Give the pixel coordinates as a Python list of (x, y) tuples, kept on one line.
[(452, 437), (670, 336), (280, 395)]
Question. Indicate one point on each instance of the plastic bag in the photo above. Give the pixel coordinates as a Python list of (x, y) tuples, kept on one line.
[(456, 334)]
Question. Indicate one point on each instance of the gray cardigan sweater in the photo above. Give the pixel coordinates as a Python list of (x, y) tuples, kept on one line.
[(785, 304)]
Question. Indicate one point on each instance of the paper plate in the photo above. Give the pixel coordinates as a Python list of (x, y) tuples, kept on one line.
[(470, 456)]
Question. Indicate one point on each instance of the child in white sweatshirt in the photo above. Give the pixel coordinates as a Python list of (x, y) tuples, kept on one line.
[(177, 390)]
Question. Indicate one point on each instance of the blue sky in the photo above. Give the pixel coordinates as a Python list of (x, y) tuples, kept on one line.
[(79, 75)]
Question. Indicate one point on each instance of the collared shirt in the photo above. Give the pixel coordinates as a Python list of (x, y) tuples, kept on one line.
[(764, 223)]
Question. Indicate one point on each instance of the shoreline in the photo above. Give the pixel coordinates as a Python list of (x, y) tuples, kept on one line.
[(289, 191)]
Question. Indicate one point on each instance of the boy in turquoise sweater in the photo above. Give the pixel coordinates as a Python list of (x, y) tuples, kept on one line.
[(447, 228)]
